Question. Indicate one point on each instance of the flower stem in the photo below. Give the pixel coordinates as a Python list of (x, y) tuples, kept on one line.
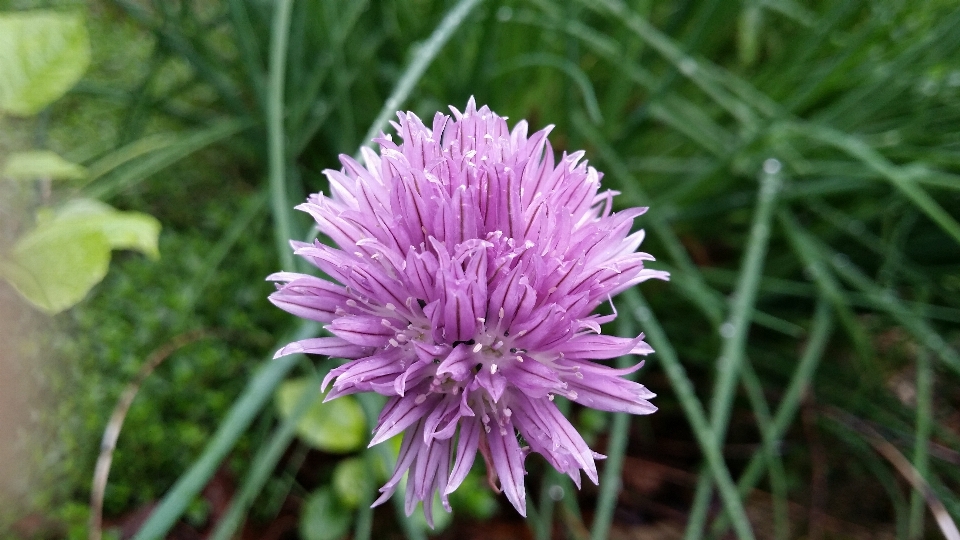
[(822, 328), (421, 61), (694, 412), (610, 483), (276, 151), (734, 332)]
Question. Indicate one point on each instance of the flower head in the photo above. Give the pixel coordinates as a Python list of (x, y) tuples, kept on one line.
[(467, 265)]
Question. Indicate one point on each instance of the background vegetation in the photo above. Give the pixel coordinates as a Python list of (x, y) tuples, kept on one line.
[(801, 163)]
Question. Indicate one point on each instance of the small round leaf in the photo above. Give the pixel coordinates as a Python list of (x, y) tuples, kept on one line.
[(323, 517), (336, 426)]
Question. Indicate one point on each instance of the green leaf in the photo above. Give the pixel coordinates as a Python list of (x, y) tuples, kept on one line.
[(323, 517), (37, 164), (336, 426), (54, 267), (42, 55), (124, 230), (352, 481)]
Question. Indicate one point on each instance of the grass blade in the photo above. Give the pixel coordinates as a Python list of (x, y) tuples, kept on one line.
[(425, 55), (263, 465), (901, 177), (735, 339), (610, 484), (921, 456), (801, 380), (692, 408), (277, 155), (257, 393)]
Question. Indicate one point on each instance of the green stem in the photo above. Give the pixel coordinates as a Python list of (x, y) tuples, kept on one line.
[(770, 452), (921, 454), (263, 465), (693, 410), (610, 483), (244, 410), (276, 152), (734, 332), (822, 327), (425, 55)]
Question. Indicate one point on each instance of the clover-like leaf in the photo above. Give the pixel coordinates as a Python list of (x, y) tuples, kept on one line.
[(37, 164), (56, 264), (54, 267), (336, 426), (324, 517), (42, 55)]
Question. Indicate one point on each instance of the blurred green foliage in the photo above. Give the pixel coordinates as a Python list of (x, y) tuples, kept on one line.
[(682, 104)]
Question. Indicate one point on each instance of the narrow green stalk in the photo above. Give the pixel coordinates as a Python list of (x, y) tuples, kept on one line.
[(425, 55), (802, 378), (257, 393), (827, 284), (246, 42), (692, 408), (734, 333), (372, 404), (610, 482), (364, 524), (263, 465), (770, 451), (276, 152), (540, 519), (921, 454)]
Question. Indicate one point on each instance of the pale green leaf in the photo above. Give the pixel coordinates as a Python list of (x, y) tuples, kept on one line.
[(323, 517), (42, 55), (55, 266), (123, 230), (37, 164), (336, 426), (352, 481)]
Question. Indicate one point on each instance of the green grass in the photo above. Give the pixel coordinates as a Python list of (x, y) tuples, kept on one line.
[(230, 113)]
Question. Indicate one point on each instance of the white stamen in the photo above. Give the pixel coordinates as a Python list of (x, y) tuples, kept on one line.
[(394, 342), (550, 397), (507, 412), (420, 399), (493, 369), (477, 347), (391, 307), (501, 309)]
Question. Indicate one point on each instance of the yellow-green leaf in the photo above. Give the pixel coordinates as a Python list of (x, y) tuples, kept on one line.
[(336, 426), (54, 267), (352, 481), (42, 55), (37, 164), (123, 230)]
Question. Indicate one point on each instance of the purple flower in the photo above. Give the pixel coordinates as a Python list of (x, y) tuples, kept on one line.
[(467, 267)]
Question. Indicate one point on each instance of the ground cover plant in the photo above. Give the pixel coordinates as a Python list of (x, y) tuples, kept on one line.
[(801, 165)]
